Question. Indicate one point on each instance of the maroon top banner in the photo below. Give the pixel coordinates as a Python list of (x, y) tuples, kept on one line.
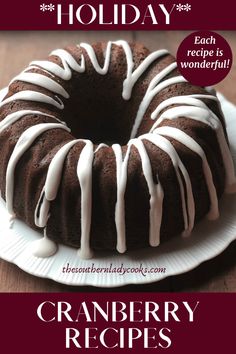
[(117, 15)]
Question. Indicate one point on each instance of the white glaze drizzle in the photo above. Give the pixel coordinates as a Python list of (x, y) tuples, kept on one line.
[(84, 172), (51, 186), (100, 146), (184, 100), (33, 96), (193, 108), (189, 207), (156, 195), (42, 81), (121, 174), (155, 86), (191, 144), (23, 144), (44, 247), (188, 106), (132, 77), (68, 63), (15, 116)]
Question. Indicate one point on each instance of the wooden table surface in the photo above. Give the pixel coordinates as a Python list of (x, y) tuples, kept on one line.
[(17, 49)]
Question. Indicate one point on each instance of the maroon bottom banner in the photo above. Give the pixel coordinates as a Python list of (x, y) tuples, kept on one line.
[(118, 322)]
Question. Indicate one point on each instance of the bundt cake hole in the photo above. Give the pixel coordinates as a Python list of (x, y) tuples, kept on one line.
[(95, 109), (95, 114)]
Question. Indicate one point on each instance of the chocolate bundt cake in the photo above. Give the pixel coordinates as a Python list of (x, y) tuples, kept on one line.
[(108, 147)]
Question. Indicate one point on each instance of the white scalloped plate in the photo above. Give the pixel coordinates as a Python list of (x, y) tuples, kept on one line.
[(177, 256)]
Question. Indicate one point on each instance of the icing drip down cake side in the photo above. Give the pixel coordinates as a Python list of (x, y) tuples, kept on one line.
[(108, 147)]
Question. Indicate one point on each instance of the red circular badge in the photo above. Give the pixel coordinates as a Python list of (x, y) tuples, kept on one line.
[(204, 58)]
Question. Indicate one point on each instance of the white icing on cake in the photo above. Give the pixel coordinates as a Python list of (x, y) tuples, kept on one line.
[(23, 144), (49, 76), (156, 194), (42, 81), (121, 168), (84, 172), (191, 144), (34, 97), (189, 207)]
